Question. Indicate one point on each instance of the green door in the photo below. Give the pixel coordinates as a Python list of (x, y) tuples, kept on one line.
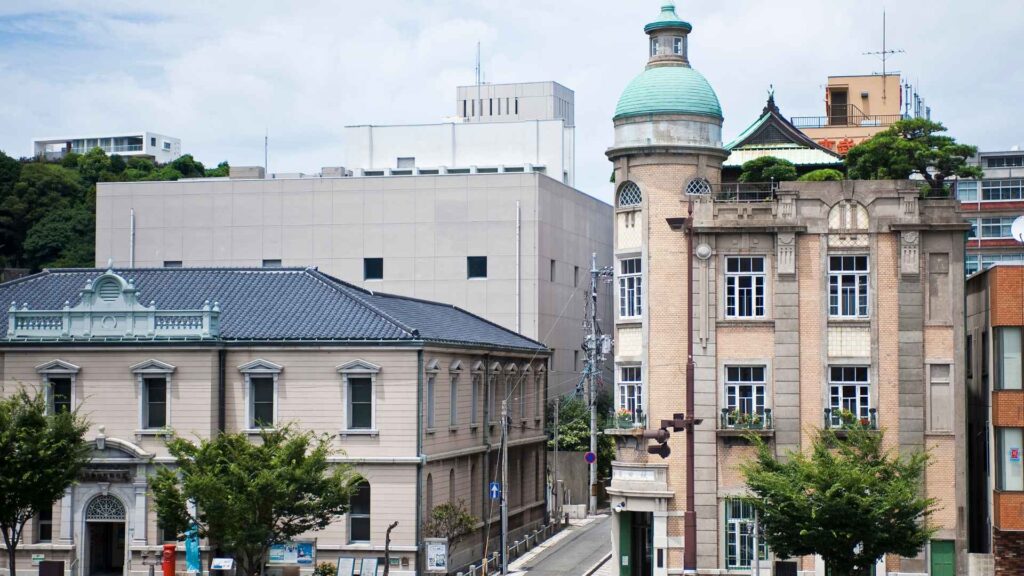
[(943, 556)]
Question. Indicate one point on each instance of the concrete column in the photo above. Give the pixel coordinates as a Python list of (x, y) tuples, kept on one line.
[(67, 517), (139, 512)]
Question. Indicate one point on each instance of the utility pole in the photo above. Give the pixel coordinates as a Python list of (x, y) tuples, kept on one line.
[(504, 486), (554, 478), (594, 346)]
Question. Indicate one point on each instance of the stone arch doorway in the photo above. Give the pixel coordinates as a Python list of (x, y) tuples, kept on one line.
[(105, 537)]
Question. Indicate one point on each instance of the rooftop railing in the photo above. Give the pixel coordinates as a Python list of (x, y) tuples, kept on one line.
[(744, 191), (846, 116)]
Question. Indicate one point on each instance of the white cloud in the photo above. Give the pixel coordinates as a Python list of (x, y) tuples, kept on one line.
[(218, 74)]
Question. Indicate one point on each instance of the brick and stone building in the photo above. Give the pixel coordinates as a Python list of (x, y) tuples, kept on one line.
[(809, 299), (410, 391), (995, 418)]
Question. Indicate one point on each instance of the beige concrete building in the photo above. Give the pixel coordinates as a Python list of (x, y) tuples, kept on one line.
[(410, 391), (513, 247), (800, 302)]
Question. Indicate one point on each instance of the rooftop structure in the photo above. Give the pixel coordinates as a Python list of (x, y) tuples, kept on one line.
[(159, 147), (515, 102)]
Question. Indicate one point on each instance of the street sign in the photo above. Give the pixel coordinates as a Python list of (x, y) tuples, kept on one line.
[(151, 560), (590, 457), (494, 490), (222, 564)]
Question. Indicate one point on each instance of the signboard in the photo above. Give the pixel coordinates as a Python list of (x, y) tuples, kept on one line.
[(368, 567), (37, 558), (590, 457), (151, 560), (300, 553), (437, 554), (494, 490), (223, 564), (1014, 454), (346, 566)]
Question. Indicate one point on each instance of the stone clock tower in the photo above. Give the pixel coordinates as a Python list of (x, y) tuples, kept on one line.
[(668, 147)]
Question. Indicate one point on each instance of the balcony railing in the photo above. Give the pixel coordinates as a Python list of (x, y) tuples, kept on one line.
[(744, 192), (109, 149), (839, 419), (732, 419), (846, 115), (625, 420)]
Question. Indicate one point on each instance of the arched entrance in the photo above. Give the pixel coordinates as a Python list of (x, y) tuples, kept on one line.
[(105, 536)]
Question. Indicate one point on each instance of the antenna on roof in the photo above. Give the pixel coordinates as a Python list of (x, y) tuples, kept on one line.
[(885, 54), (479, 101), (266, 147)]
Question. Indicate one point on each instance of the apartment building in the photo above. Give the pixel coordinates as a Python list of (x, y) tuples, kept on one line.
[(799, 302), (410, 391), (159, 147), (995, 418), (991, 204)]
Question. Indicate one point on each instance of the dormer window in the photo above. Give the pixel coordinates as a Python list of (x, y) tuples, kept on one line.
[(108, 290), (654, 46)]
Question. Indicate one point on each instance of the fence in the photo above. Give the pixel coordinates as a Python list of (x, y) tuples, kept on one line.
[(492, 564)]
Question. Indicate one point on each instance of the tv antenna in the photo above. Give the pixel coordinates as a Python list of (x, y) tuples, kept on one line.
[(885, 54)]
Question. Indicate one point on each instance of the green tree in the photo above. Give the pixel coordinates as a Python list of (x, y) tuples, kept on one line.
[(574, 430), (188, 167), (913, 146), (64, 238), (93, 164), (117, 164), (41, 189), (823, 175), (450, 520), (768, 169), (849, 501), (70, 160), (40, 456), (222, 169), (250, 495)]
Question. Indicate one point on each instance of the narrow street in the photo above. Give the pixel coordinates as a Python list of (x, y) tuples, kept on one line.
[(579, 548)]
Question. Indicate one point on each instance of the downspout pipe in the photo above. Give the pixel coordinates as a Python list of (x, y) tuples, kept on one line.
[(690, 515), (222, 354)]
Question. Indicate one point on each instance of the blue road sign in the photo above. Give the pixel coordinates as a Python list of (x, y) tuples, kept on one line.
[(494, 490), (590, 457)]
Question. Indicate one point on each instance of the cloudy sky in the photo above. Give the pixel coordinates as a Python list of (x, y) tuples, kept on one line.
[(217, 74)]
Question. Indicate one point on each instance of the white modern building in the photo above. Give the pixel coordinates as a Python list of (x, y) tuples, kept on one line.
[(498, 128), (159, 147)]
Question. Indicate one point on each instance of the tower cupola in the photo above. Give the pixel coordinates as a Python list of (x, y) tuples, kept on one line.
[(668, 35)]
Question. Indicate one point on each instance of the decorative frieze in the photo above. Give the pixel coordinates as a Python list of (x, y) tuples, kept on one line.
[(785, 253), (910, 254)]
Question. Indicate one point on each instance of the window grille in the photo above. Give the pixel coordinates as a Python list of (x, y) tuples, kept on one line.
[(629, 195), (106, 507), (698, 186)]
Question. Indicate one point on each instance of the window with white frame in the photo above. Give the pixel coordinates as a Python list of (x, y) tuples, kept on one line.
[(630, 288), (474, 413), (996, 228), (453, 400), (967, 190), (848, 286), (631, 390), (261, 393), (744, 393), (849, 390), (677, 45), (629, 195), (154, 402), (492, 394), (360, 403), (521, 391), (59, 385), (60, 393), (44, 525), (744, 287), (359, 514), (739, 535), (1006, 189), (654, 46), (430, 400), (538, 384)]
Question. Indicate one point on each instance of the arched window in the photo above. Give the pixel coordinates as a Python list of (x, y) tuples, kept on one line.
[(359, 514), (105, 508), (629, 194), (698, 186)]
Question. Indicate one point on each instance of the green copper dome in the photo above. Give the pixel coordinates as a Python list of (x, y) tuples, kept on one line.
[(668, 19), (668, 90)]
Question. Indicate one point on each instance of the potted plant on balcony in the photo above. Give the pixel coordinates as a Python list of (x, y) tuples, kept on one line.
[(624, 418)]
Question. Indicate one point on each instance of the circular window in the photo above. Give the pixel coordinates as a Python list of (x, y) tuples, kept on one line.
[(698, 186), (629, 194)]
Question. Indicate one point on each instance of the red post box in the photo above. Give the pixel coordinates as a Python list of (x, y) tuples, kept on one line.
[(170, 556)]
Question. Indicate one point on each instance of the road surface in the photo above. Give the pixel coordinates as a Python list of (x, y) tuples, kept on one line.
[(575, 553)]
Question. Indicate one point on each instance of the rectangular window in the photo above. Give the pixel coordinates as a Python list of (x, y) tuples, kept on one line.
[(167, 535), (848, 286), (490, 106), (744, 287), (453, 401), (430, 401), (271, 263), (360, 403), (1008, 358), (967, 190), (373, 268), (44, 525), (474, 414), (172, 263), (631, 390), (677, 46), (492, 391), (850, 391), (262, 401), (996, 227), (1009, 475), (359, 514), (1004, 161), (575, 360), (630, 288), (463, 108), (969, 357), (552, 272), (167, 145), (739, 535), (1009, 189), (575, 276), (472, 107), (60, 395), (538, 387), (517, 105), (744, 394), (155, 402), (405, 162), (940, 398), (654, 46), (476, 266)]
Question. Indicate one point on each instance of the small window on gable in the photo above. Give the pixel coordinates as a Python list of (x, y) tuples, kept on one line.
[(109, 290), (629, 195)]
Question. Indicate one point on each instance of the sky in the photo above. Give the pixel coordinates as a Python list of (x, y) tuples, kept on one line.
[(219, 75)]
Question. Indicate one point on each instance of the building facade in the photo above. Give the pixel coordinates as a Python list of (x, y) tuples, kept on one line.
[(995, 419), (514, 248), (409, 390), (799, 303), (159, 147), (515, 102), (991, 204)]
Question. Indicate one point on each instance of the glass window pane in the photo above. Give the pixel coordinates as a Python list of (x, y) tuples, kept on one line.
[(263, 389), (1010, 359), (359, 529), (1010, 476)]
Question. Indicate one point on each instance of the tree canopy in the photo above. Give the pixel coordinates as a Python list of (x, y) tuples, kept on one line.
[(913, 146), (849, 500), (574, 430), (248, 494), (768, 169), (40, 455), (823, 175)]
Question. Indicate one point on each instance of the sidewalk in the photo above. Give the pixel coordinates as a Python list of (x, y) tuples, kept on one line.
[(573, 551)]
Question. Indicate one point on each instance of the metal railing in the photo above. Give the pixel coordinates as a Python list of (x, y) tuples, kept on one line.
[(623, 419), (744, 192), (841, 419), (492, 563), (108, 149), (846, 115), (733, 419)]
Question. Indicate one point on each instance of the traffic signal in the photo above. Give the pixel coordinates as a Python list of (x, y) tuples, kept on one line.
[(660, 436)]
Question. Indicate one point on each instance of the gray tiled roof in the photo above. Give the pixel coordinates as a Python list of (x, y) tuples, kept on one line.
[(275, 304)]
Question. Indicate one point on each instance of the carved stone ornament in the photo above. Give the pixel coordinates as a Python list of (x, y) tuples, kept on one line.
[(703, 251), (786, 253), (910, 253)]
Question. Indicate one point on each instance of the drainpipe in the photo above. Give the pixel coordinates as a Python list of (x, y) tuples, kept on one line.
[(519, 249), (131, 240), (221, 391), (422, 458), (690, 516)]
